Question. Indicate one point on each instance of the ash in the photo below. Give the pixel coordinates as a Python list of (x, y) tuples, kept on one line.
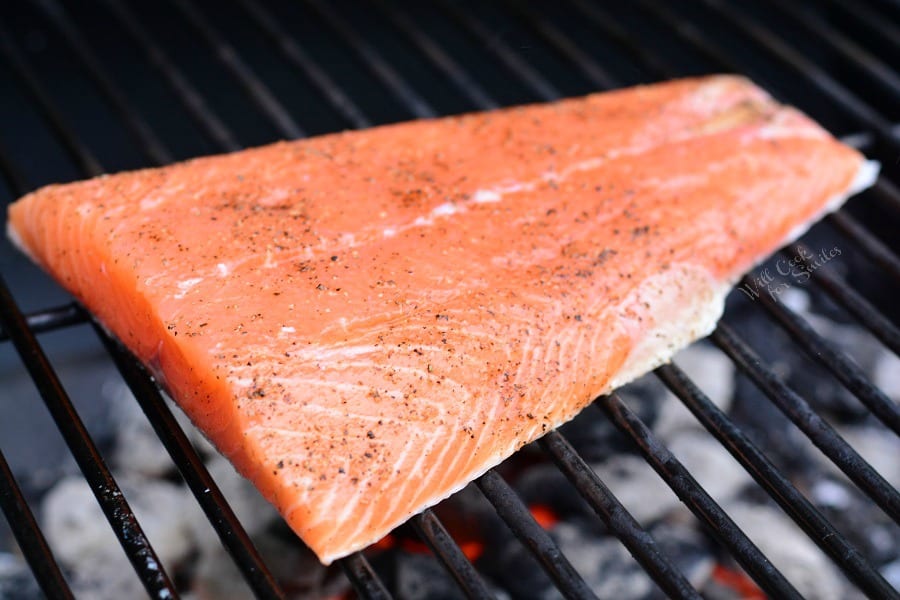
[(194, 556)]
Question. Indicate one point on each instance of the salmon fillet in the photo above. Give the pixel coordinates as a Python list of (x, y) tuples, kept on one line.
[(366, 321)]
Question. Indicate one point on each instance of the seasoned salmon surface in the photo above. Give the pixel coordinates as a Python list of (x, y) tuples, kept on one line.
[(366, 321)]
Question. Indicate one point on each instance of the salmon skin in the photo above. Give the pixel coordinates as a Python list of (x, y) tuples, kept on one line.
[(366, 321)]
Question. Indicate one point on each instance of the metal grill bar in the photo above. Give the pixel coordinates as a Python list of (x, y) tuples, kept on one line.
[(776, 485), (10, 174), (230, 531), (432, 532), (149, 143), (590, 69), (542, 88), (616, 517), (888, 193), (816, 429), (256, 90), (862, 59), (193, 101), (373, 60), (517, 517), (874, 23), (29, 536), (51, 319), (868, 243), (864, 311), (299, 58), (115, 507), (363, 578), (76, 149), (696, 499), (607, 23), (845, 370), (438, 57)]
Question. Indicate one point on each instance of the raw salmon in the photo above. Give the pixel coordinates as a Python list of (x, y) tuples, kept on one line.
[(364, 322)]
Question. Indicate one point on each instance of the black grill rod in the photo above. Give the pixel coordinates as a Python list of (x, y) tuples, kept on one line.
[(443, 61), (83, 157), (252, 85), (297, 56), (190, 97), (372, 59), (618, 520), (852, 301), (51, 319), (433, 533), (559, 41), (679, 479), (880, 73), (818, 349), (492, 42), (810, 71), (151, 146), (867, 242), (28, 534), (820, 433), (886, 191), (518, 518), (607, 23), (119, 514), (10, 172), (801, 510), (208, 495), (876, 24), (363, 578)]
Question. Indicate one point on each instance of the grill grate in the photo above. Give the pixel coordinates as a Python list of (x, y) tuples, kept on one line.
[(760, 45)]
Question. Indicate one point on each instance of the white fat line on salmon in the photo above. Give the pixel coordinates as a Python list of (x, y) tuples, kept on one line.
[(185, 286), (292, 433)]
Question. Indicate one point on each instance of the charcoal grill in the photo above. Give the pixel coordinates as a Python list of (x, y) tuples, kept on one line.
[(320, 66)]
